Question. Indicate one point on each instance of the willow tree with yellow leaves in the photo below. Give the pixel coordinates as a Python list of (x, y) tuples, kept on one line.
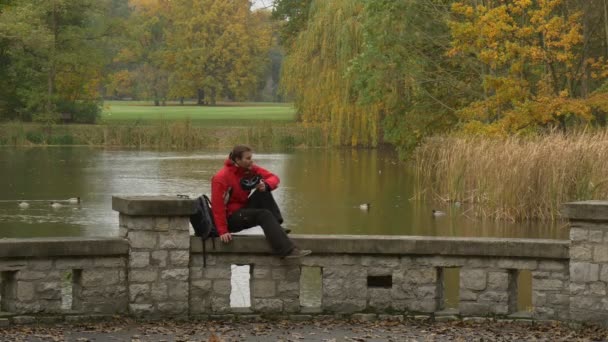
[(315, 72), (217, 49), (531, 60)]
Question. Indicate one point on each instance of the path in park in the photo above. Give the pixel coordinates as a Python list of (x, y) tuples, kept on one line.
[(328, 330)]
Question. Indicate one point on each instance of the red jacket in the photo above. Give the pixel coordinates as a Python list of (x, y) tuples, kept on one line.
[(227, 182)]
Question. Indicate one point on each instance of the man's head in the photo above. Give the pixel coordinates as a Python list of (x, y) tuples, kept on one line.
[(241, 156)]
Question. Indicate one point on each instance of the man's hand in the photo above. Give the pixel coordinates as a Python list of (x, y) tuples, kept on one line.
[(261, 186), (226, 237)]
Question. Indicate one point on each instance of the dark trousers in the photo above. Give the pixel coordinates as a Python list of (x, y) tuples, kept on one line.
[(262, 210)]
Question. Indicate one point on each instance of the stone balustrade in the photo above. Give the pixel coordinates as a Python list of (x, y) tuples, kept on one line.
[(155, 269)]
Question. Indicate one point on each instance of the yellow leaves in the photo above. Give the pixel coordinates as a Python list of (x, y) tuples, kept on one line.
[(527, 47)]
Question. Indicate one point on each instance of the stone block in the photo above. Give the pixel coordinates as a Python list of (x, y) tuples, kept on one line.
[(600, 254), (178, 291), (298, 318), (179, 274), (425, 275), (582, 272), (473, 279), (548, 284), (260, 272), (218, 272), (100, 277), (161, 223), (36, 275), (118, 262), (597, 289), (468, 295), (498, 281), (4, 322), (174, 240), (427, 291), (179, 223), (558, 299), (344, 272), (267, 305), (579, 234), (596, 235), (179, 258), (25, 291), (288, 287), (291, 305), (422, 305), (380, 261), (517, 264), (481, 309), (73, 263), (174, 308), (143, 239), (48, 291), (139, 293), (159, 258), (221, 287), (604, 273), (12, 265), (551, 265), (200, 288), (494, 297), (263, 288), (580, 253), (39, 265), (141, 310), (123, 232), (143, 276), (159, 292), (577, 289), (139, 259), (220, 304), (345, 288)]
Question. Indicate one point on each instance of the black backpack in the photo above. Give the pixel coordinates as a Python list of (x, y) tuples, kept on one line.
[(203, 223)]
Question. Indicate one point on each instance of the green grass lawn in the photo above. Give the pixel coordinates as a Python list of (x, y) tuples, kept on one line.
[(232, 114)]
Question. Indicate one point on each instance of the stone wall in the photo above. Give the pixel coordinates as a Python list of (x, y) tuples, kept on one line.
[(38, 275), (588, 260), (410, 266), (155, 269)]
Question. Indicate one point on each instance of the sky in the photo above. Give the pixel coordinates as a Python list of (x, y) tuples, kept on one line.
[(261, 4)]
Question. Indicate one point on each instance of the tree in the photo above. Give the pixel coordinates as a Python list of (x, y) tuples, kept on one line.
[(218, 49), (403, 68), (531, 61), (315, 73), (54, 49), (140, 70), (293, 16)]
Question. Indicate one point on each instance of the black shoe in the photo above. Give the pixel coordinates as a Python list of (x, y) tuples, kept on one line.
[(297, 253)]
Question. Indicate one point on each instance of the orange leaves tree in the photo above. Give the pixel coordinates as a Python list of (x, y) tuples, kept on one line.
[(529, 54)]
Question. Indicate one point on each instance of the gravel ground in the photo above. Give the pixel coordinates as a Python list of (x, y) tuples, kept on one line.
[(326, 330)]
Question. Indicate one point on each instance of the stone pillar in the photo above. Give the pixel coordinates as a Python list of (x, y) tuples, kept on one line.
[(157, 228), (588, 260)]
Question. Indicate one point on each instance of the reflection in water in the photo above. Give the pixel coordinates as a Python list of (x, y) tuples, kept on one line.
[(321, 192)]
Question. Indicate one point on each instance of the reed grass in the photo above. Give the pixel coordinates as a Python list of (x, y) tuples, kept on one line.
[(178, 135), (517, 178)]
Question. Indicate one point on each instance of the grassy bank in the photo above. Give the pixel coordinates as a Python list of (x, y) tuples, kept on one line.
[(517, 178), (182, 135), (174, 126), (223, 114)]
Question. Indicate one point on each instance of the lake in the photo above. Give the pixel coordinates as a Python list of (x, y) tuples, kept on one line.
[(320, 192)]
